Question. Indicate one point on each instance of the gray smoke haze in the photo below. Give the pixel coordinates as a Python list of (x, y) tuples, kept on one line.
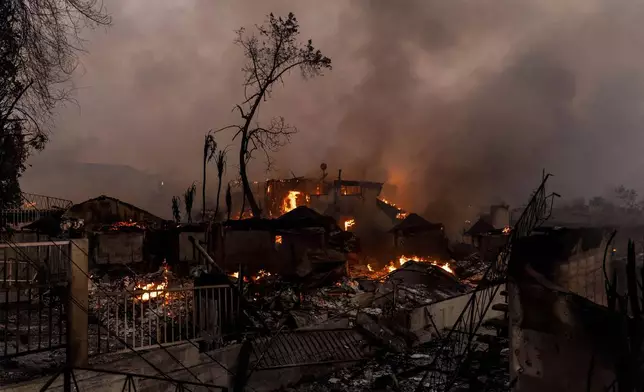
[(455, 103)]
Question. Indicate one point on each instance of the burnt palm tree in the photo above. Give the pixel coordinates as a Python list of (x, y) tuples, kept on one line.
[(176, 209), (220, 161), (209, 148), (188, 199)]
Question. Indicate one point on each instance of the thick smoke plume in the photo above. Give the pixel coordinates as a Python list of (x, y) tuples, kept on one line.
[(455, 103)]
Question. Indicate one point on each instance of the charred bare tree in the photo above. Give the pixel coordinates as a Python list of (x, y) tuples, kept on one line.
[(188, 200), (39, 42), (272, 51), (209, 148), (229, 201), (176, 209), (220, 161)]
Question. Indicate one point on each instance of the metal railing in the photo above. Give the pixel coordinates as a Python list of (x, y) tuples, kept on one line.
[(32, 208), (33, 281), (452, 357), (72, 379), (145, 318)]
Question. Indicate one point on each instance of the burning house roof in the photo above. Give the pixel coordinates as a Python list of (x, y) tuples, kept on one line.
[(390, 210), (414, 222)]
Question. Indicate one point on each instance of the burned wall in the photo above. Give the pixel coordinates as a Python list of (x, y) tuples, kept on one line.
[(556, 337), (570, 258), (558, 325), (117, 247), (187, 252), (253, 248)]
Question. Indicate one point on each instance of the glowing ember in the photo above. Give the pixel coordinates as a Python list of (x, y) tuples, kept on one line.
[(154, 290), (506, 230), (278, 239), (349, 224), (28, 205), (246, 215), (261, 274), (403, 259), (290, 201), (129, 223), (382, 199), (402, 215)]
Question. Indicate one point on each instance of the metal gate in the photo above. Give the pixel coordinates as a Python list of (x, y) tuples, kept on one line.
[(33, 288)]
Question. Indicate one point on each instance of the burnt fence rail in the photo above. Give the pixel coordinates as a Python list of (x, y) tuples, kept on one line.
[(80, 379), (33, 290), (146, 318)]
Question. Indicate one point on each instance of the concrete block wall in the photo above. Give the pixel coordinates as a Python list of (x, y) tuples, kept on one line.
[(583, 274), (445, 314), (543, 361)]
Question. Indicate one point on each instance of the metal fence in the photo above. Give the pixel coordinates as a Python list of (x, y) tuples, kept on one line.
[(32, 208), (146, 318), (33, 287)]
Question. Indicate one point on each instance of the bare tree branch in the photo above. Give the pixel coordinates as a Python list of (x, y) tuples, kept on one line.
[(271, 51)]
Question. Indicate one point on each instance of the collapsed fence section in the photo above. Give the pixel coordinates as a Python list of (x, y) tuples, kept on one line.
[(146, 318), (33, 295)]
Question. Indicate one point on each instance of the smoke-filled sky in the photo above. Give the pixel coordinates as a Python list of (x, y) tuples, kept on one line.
[(454, 102)]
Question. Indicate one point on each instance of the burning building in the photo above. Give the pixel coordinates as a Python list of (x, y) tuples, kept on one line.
[(275, 245), (116, 229), (416, 235)]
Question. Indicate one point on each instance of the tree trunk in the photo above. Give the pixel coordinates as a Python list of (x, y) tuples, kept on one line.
[(248, 193), (218, 194), (203, 185)]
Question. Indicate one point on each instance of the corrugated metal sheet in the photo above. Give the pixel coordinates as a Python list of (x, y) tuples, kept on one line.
[(301, 348)]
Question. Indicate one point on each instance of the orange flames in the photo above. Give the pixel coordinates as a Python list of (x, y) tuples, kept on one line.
[(403, 259), (261, 274), (278, 239), (349, 224), (402, 214), (506, 230), (28, 205), (395, 264), (290, 201), (129, 223), (154, 290)]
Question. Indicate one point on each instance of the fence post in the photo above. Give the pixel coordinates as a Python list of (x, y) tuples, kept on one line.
[(77, 304)]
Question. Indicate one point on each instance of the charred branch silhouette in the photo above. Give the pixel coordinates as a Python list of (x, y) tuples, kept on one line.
[(271, 52), (39, 42)]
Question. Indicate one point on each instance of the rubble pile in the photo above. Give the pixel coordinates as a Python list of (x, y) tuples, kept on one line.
[(403, 372), (142, 309)]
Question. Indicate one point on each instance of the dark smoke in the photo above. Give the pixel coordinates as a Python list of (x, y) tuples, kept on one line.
[(455, 103)]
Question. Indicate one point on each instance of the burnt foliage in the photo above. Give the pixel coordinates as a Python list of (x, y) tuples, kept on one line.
[(39, 41), (272, 50)]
